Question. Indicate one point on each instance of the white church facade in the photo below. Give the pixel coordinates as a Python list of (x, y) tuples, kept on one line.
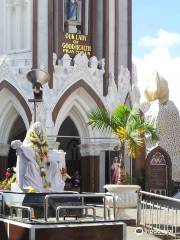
[(85, 46)]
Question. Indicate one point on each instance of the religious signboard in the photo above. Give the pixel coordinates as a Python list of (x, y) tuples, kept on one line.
[(74, 28), (158, 177), (75, 43)]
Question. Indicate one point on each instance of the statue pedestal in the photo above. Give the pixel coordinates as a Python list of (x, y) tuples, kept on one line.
[(71, 26), (125, 196)]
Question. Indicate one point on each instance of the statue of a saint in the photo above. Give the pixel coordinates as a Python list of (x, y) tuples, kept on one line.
[(114, 168), (37, 167), (72, 9)]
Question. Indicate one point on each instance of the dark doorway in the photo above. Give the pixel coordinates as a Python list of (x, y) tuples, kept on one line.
[(18, 132), (70, 145)]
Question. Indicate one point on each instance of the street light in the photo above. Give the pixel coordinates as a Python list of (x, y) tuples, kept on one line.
[(37, 78)]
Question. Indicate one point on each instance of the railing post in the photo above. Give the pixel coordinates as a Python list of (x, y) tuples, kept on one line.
[(2, 204), (138, 221)]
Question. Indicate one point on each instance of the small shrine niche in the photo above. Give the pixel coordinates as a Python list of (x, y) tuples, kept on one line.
[(74, 27), (76, 16)]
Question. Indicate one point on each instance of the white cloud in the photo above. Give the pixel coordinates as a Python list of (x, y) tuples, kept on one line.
[(160, 59), (162, 38)]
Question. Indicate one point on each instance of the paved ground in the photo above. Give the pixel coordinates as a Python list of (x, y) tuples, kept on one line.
[(131, 231), (132, 235)]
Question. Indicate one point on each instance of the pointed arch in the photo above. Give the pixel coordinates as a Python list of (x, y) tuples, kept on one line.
[(158, 171), (69, 91), (15, 92), (160, 150)]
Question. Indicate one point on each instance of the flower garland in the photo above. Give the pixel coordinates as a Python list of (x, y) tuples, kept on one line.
[(40, 146)]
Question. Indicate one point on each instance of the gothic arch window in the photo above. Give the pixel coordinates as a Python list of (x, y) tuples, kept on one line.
[(158, 171), (158, 159)]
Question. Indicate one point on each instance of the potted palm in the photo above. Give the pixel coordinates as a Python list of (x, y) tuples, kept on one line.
[(131, 129)]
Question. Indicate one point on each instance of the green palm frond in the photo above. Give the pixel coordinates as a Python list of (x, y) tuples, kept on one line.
[(134, 140), (150, 130), (100, 119), (133, 149), (134, 143), (121, 114)]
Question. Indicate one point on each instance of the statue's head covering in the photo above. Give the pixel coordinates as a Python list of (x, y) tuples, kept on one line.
[(35, 134), (157, 89), (37, 127)]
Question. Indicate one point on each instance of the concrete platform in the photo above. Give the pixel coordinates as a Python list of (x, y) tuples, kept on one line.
[(10, 229)]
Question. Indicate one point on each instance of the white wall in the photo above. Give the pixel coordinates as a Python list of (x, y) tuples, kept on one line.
[(15, 25)]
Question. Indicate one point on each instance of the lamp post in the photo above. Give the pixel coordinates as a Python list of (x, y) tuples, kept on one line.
[(37, 78)]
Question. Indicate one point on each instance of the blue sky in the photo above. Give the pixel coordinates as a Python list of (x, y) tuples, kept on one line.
[(156, 42), (149, 16)]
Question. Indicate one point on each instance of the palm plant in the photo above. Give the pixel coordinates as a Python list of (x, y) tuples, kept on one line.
[(127, 124)]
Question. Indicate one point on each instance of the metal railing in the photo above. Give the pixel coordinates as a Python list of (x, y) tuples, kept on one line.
[(27, 209), (2, 203), (65, 204), (158, 214), (75, 196), (60, 208)]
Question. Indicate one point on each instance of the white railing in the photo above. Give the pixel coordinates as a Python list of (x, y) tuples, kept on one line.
[(158, 214)]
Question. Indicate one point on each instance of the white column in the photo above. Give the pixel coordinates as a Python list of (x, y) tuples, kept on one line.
[(28, 27), (8, 26), (18, 24), (111, 35), (99, 44), (43, 34), (102, 171), (123, 29), (2, 26), (87, 17)]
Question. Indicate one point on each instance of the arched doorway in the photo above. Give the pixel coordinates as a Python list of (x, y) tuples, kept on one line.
[(70, 145), (17, 132)]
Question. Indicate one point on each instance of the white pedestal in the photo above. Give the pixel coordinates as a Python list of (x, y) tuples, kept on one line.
[(15, 187), (125, 196)]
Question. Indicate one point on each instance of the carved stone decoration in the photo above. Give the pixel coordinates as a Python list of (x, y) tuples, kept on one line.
[(66, 74), (112, 97), (124, 85), (117, 95), (93, 63), (6, 73), (158, 171), (66, 60), (135, 92), (81, 60)]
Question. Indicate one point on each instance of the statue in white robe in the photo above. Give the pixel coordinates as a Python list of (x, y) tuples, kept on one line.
[(37, 167)]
